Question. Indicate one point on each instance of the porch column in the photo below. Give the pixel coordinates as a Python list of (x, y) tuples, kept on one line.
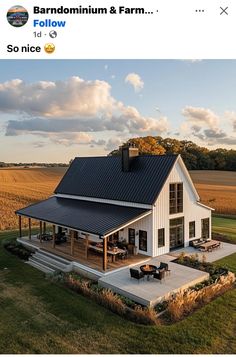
[(104, 253), (20, 230), (29, 228), (72, 242), (86, 245), (53, 235), (40, 231), (44, 227)]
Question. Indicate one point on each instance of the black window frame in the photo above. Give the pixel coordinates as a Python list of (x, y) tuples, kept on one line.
[(133, 230), (143, 239), (176, 198), (161, 237), (192, 229)]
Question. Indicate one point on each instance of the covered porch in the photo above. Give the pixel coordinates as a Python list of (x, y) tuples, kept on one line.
[(85, 232)]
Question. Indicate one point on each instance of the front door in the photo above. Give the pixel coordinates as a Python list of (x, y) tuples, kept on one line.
[(176, 233)]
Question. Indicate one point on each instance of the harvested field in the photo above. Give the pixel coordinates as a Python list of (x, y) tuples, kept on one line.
[(19, 187), (217, 189), (22, 186)]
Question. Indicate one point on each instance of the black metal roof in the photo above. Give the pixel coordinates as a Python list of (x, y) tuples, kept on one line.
[(91, 217), (102, 177)]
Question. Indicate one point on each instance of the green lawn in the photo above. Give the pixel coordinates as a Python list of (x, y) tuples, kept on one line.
[(40, 317), (225, 226)]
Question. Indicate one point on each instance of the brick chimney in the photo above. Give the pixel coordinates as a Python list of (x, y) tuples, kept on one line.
[(128, 152)]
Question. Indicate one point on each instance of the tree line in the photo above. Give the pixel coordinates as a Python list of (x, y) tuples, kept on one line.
[(32, 164), (195, 157)]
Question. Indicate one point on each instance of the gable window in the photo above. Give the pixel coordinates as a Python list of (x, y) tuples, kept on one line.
[(176, 197), (192, 229), (205, 228), (161, 237), (143, 240)]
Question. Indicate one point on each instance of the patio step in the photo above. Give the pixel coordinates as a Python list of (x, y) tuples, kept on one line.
[(49, 262), (53, 257), (40, 267)]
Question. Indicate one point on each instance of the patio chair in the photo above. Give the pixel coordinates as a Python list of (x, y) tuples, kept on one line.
[(136, 274), (164, 266), (160, 275), (123, 255)]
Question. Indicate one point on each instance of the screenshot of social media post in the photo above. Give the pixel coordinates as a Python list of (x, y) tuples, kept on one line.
[(117, 177)]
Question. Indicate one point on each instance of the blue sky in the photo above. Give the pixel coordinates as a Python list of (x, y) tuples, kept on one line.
[(55, 110)]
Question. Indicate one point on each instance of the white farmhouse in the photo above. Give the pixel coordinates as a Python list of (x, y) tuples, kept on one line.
[(110, 211)]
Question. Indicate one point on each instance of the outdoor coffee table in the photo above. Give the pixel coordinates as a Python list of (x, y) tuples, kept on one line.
[(148, 269)]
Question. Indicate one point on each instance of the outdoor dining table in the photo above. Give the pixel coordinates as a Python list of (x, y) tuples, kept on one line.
[(209, 245), (113, 252)]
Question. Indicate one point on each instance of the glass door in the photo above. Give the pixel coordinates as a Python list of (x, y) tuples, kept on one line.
[(176, 233)]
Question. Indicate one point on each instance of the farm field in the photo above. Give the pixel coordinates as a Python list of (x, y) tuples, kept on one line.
[(40, 317), (22, 186), (217, 189)]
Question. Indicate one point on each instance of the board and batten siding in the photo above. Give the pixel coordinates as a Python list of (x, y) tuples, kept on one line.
[(191, 210), (144, 224)]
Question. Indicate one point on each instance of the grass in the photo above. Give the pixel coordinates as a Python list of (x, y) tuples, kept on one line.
[(216, 189), (40, 317), (225, 226)]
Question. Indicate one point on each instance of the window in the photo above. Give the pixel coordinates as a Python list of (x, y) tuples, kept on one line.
[(205, 228), (161, 237), (143, 240), (192, 229), (176, 198), (132, 236)]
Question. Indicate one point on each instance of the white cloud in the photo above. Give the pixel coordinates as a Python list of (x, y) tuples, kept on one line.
[(71, 98), (71, 106), (204, 124), (135, 80), (113, 143), (201, 116)]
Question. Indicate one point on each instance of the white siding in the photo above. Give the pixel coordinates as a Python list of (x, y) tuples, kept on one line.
[(145, 224), (191, 210)]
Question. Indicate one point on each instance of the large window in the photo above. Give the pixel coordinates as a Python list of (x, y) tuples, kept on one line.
[(205, 228), (161, 237), (192, 229), (176, 197), (143, 240)]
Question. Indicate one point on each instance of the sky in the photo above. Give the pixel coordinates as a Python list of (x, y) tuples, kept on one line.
[(54, 110)]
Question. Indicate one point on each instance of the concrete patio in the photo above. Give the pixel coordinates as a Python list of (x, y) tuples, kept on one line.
[(150, 292), (219, 253)]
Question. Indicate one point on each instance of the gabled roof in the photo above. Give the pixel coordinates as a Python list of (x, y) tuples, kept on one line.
[(102, 177), (91, 217)]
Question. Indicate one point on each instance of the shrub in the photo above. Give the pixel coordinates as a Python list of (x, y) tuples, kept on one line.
[(181, 258), (111, 301), (185, 302), (17, 249), (107, 298), (144, 315)]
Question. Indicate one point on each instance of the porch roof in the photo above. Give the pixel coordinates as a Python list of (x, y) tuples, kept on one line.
[(90, 217)]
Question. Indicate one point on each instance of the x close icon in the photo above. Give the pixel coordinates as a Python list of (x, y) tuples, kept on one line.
[(224, 11)]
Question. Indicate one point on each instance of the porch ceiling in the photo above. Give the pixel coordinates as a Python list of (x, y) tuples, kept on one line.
[(91, 217)]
